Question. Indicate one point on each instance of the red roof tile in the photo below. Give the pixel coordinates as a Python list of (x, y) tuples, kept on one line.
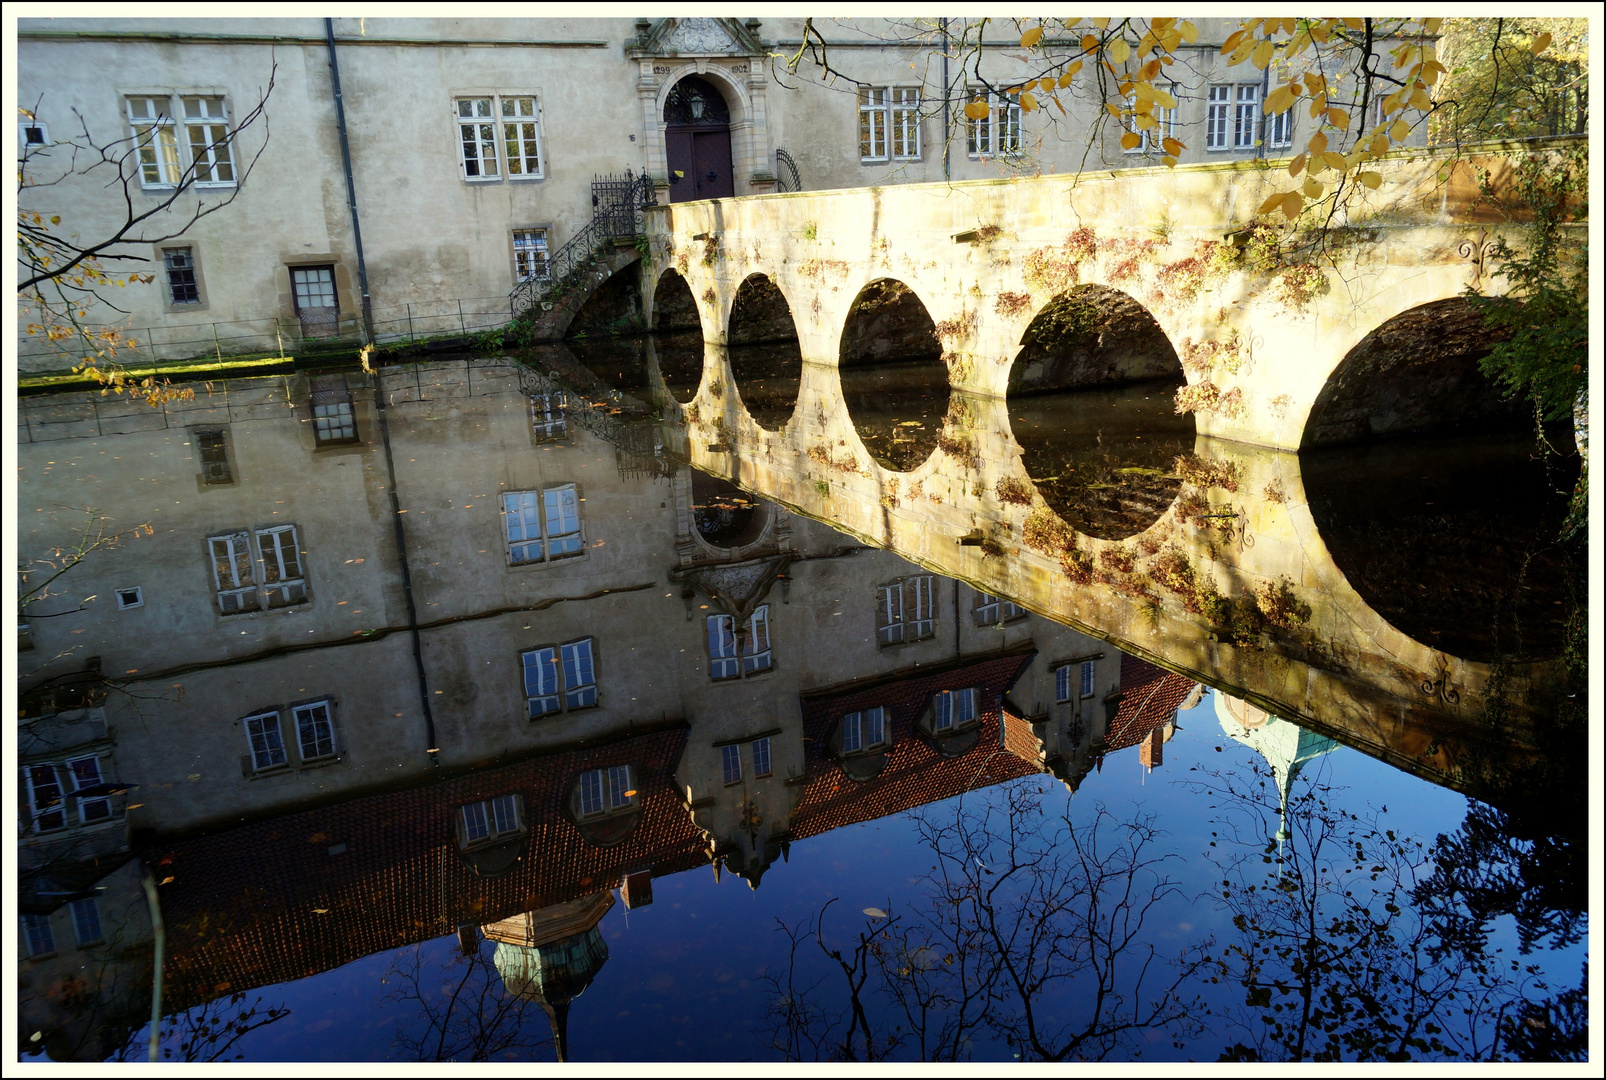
[(1149, 697)]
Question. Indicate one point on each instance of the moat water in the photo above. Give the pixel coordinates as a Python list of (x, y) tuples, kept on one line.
[(953, 831)]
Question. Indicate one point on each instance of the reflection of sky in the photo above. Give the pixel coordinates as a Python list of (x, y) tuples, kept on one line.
[(681, 980)]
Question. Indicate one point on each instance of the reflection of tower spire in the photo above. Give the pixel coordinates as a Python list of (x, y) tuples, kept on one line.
[(550, 956), (1285, 746)]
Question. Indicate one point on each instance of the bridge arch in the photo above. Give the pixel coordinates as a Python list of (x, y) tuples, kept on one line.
[(1415, 371), (892, 374), (765, 356), (675, 347), (1091, 405)]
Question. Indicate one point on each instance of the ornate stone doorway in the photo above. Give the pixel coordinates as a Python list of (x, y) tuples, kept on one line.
[(697, 140)]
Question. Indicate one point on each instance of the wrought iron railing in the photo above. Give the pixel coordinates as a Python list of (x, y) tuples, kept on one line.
[(637, 440), (786, 178), (617, 203)]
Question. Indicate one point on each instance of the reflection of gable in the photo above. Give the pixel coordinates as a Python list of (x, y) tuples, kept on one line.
[(916, 772), (1150, 696), (289, 897)]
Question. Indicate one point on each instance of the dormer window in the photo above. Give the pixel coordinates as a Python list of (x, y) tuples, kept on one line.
[(607, 791), (863, 732), (490, 821), (953, 710)]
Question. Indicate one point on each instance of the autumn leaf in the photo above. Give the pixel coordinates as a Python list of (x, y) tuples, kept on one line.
[(1028, 103), (1293, 203), (1130, 140), (1295, 166), (1370, 179), (1031, 37), (1271, 204), (977, 110), (1541, 43), (1313, 187), (1119, 50)]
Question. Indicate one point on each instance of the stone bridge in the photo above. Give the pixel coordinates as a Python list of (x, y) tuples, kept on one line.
[(1277, 353)]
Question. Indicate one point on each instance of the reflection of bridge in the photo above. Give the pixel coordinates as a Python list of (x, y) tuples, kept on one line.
[(1263, 346)]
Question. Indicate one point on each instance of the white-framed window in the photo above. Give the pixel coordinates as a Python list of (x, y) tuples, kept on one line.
[(315, 729), (1280, 129), (1379, 114), (761, 757), (234, 569), (1246, 117), (182, 288), (1217, 116), (36, 931), (530, 254), (206, 130), (156, 139), (953, 709), (549, 416), (1085, 686), (86, 921), (47, 804), (889, 123), (267, 741), (85, 774), (992, 610), (281, 566), (1153, 138), (731, 763), (997, 133), (558, 678), (1074, 681), (497, 135), (32, 135), (607, 791), (730, 657), (489, 820), (864, 730), (542, 525), (214, 456), (905, 611)]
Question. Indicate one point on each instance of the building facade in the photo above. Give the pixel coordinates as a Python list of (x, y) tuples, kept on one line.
[(463, 152)]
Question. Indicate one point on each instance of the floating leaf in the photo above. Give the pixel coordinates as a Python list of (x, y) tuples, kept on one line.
[(875, 913)]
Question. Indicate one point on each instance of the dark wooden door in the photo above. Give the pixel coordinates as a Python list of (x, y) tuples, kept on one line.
[(699, 163)]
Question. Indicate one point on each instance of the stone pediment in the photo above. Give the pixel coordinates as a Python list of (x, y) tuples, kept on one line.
[(735, 588), (698, 37)]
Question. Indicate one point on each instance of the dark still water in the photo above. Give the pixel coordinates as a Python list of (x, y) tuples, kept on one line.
[(444, 713)]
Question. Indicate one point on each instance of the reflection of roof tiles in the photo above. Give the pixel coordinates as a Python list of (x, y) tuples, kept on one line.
[(1149, 697), (915, 774), (243, 909)]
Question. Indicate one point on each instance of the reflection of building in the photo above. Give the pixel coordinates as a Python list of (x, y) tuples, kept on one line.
[(567, 684), (1285, 746), (550, 956)]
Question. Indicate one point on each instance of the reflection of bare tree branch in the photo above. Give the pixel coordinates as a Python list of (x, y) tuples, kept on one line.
[(1029, 928), (465, 1013), (207, 1032)]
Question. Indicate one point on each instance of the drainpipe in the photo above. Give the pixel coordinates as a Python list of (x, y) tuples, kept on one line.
[(1265, 88), (160, 932), (407, 577), (947, 107), (351, 187)]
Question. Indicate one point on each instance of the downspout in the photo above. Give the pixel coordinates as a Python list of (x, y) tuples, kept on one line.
[(351, 187), (1265, 88), (160, 933), (407, 577), (947, 107)]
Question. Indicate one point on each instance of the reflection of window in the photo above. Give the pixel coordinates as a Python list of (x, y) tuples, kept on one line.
[(994, 611), (40, 938), (542, 525), (267, 741), (50, 786), (864, 730), (214, 457), (953, 709), (332, 419), (731, 763), (730, 658), (559, 678), (549, 416), (999, 131), (904, 610), (86, 921), (315, 730), (1073, 681), (761, 757), (607, 791), (490, 820), (181, 284)]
